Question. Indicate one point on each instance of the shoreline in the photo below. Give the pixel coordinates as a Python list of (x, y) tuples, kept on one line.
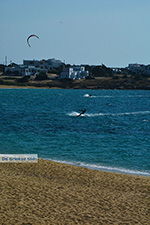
[(109, 169), (22, 87), (97, 83), (51, 88), (48, 192)]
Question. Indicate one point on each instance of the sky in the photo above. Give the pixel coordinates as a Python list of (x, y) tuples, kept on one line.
[(112, 32)]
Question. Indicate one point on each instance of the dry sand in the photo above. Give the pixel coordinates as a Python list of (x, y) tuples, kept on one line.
[(50, 193), (22, 87), (26, 87)]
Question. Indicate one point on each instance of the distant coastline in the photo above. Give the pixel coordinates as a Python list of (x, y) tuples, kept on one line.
[(53, 73), (97, 83)]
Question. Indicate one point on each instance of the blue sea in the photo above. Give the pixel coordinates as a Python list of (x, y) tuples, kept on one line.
[(112, 135)]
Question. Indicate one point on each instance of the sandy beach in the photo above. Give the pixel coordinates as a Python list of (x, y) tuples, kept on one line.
[(22, 87), (53, 193)]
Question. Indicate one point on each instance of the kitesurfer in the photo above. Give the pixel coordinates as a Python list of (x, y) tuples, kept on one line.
[(81, 112)]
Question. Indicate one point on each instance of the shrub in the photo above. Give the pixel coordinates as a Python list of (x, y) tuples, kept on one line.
[(41, 76)]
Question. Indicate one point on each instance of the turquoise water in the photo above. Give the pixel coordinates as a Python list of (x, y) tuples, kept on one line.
[(114, 133)]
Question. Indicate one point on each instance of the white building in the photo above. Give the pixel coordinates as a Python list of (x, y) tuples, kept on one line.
[(75, 72)]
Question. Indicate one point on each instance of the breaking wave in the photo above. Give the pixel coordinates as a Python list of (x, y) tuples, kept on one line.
[(105, 168)]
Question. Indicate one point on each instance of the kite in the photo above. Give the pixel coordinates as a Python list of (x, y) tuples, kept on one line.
[(32, 35)]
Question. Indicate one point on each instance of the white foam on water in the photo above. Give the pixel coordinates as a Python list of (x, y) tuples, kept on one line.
[(104, 168), (108, 114), (104, 96), (132, 113), (76, 114), (112, 96), (86, 95), (73, 114), (89, 96), (136, 96), (146, 120), (97, 96)]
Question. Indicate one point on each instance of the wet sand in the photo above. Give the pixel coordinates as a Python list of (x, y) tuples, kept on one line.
[(50, 193)]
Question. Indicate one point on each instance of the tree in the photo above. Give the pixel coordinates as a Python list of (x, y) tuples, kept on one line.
[(41, 76)]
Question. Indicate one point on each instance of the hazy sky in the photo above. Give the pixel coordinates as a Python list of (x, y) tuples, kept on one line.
[(113, 32)]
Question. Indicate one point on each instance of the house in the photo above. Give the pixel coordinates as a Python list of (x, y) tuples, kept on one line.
[(19, 70), (43, 64), (74, 72), (32, 67), (14, 70), (139, 69)]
